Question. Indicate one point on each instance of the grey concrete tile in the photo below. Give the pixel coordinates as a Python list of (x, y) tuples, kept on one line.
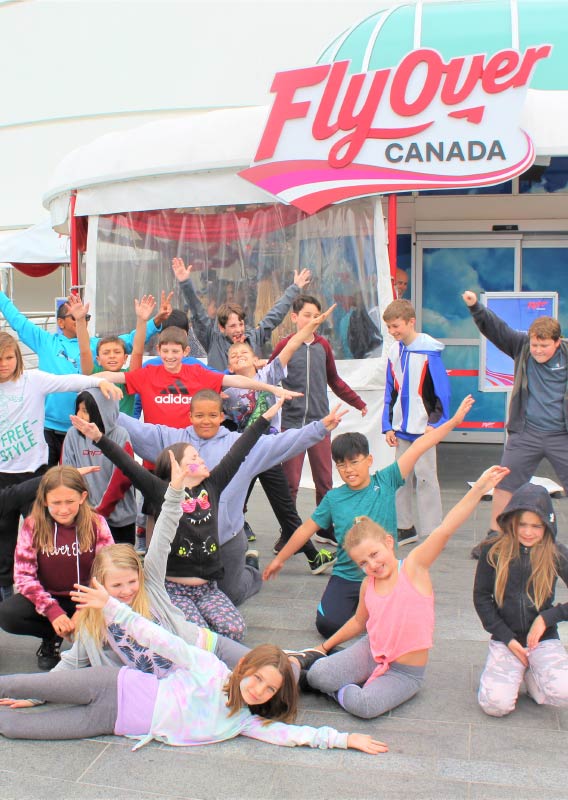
[(199, 772), (499, 773), (486, 791), (368, 784), (50, 759), (30, 787), (517, 747)]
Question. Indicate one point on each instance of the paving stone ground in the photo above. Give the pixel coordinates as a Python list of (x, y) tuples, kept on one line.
[(441, 744)]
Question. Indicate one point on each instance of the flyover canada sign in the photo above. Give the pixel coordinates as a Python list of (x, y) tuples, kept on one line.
[(424, 124)]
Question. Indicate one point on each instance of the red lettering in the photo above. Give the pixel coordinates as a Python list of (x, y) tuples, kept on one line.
[(283, 109), (532, 55), (435, 68), (499, 66), (359, 124), (322, 129), (451, 95)]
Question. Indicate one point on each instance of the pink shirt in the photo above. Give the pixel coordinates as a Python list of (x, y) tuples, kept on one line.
[(399, 622)]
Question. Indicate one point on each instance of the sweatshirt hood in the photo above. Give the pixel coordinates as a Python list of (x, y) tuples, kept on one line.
[(108, 409), (425, 344), (531, 498)]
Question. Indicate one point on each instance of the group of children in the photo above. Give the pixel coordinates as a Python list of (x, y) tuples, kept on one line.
[(145, 636)]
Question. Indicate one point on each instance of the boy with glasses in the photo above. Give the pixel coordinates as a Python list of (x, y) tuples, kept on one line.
[(362, 494)]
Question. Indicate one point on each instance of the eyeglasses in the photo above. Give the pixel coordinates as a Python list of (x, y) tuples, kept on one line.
[(64, 316), (341, 465)]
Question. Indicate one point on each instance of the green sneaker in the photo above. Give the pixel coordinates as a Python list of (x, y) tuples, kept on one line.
[(322, 561)]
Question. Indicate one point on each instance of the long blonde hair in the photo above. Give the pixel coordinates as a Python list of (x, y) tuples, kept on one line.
[(116, 556), (543, 556), (85, 521)]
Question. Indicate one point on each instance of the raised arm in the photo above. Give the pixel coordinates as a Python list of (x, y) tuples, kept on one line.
[(202, 325), (144, 309), (80, 311), (423, 556), (432, 437), (508, 340), (279, 310)]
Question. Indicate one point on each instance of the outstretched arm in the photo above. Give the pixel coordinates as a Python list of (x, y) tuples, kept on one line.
[(423, 556), (240, 382), (432, 437)]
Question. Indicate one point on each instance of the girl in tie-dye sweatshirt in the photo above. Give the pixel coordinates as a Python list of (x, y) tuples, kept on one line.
[(199, 701)]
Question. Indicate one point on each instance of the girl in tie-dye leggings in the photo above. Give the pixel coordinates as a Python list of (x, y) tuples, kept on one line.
[(514, 597)]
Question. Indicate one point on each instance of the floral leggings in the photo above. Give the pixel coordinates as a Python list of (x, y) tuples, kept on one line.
[(209, 607)]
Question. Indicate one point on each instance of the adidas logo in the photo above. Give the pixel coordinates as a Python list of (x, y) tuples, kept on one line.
[(175, 394)]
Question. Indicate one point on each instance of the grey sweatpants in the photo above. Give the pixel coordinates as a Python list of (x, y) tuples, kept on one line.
[(343, 674), (239, 581), (428, 496), (93, 691)]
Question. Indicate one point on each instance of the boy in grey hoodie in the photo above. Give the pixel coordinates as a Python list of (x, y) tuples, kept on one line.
[(110, 491)]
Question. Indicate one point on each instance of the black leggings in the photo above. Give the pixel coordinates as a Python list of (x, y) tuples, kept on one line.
[(92, 691), (18, 615)]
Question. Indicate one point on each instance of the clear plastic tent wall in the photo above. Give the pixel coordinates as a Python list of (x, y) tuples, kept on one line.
[(247, 255)]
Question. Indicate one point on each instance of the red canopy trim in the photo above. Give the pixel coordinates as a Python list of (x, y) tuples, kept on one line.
[(228, 225), (36, 270)]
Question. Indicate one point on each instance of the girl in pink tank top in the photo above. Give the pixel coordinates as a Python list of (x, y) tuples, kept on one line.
[(396, 610)]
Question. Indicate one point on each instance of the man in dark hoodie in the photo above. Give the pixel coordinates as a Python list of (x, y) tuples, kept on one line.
[(537, 426), (514, 597)]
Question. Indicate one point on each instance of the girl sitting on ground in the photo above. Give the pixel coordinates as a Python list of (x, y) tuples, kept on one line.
[(199, 701), (194, 564), (514, 596), (396, 608)]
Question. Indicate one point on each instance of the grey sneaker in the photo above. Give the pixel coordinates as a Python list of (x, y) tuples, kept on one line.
[(252, 559), (324, 559)]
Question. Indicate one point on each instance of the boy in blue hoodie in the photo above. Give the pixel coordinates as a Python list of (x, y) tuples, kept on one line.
[(417, 398)]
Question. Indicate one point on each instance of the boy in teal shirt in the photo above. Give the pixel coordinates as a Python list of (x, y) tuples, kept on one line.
[(362, 494)]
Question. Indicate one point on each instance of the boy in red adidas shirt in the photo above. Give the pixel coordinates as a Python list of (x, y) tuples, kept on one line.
[(166, 389)]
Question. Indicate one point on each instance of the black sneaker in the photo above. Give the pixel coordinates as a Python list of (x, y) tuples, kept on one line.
[(278, 545), (251, 535), (324, 559), (325, 537), (406, 536), (306, 657), (48, 653), (251, 559), (476, 551)]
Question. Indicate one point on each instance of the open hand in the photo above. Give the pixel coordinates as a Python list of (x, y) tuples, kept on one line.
[(272, 570), (181, 272), (12, 703), (535, 634), (302, 278), (144, 307), (519, 651), (88, 429), (360, 741), (110, 391), (285, 394), (463, 409), (88, 470), (469, 298), (95, 596), (490, 478), (177, 474), (334, 417), (76, 307)]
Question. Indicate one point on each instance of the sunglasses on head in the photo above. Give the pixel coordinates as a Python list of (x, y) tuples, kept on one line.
[(64, 316)]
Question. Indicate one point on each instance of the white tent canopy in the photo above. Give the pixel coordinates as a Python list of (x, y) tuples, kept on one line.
[(39, 244), (191, 160)]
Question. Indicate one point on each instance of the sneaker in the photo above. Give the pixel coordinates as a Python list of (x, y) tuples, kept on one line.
[(251, 535), (325, 537), (305, 657), (476, 551), (48, 653), (252, 559), (406, 536), (278, 545), (140, 544), (322, 561)]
